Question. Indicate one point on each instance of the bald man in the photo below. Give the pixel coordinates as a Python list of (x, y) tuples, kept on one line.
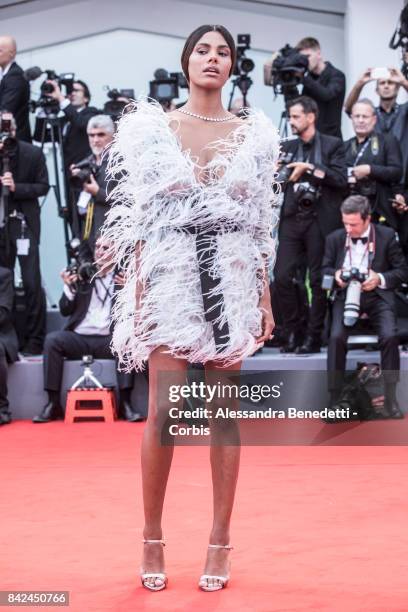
[(14, 88)]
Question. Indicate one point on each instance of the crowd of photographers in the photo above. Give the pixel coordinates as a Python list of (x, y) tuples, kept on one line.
[(343, 227)]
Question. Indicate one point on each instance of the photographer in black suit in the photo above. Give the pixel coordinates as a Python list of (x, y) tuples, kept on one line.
[(88, 305), (21, 185), (8, 340), (313, 172), (326, 85), (89, 175), (374, 164), (14, 88), (75, 142), (372, 250)]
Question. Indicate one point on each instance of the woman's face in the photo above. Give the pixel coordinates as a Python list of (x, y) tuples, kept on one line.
[(210, 62)]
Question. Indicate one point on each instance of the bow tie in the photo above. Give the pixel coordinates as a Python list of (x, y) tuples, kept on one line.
[(362, 239)]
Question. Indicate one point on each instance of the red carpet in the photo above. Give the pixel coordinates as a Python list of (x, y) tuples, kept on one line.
[(315, 528)]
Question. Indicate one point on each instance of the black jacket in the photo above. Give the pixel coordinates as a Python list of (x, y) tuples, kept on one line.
[(77, 308), (100, 201), (75, 137), (383, 154), (333, 185), (8, 336), (388, 260), (30, 174), (15, 97), (328, 90)]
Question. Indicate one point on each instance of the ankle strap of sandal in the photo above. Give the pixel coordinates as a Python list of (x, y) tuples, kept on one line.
[(154, 542), (226, 546)]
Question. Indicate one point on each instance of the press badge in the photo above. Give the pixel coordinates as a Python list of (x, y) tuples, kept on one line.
[(23, 246)]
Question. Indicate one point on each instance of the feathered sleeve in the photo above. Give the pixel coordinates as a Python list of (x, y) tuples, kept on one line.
[(264, 137)]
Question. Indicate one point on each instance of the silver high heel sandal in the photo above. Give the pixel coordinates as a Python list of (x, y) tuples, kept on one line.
[(158, 577), (222, 580)]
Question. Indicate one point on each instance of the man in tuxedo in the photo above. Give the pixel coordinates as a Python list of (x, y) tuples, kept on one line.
[(313, 161), (87, 332), (8, 340), (20, 187), (14, 88), (374, 251)]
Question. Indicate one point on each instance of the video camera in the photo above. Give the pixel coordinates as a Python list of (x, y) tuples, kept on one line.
[(114, 107), (286, 72), (48, 104), (400, 38), (165, 86), (79, 265)]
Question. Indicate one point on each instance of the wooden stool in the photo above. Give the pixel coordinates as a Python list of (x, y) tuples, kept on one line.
[(105, 398)]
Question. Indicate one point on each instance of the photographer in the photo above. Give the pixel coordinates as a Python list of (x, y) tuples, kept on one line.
[(77, 114), (14, 88), (326, 85), (87, 301), (25, 180), (392, 118), (364, 248), (374, 163), (90, 176), (314, 177), (8, 340)]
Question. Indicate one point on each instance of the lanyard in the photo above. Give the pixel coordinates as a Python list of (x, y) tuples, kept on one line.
[(361, 152), (107, 290)]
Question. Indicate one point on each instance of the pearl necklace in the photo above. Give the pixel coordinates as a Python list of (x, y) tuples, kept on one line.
[(186, 112)]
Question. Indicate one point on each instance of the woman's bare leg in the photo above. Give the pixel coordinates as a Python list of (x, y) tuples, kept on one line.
[(224, 457), (156, 459)]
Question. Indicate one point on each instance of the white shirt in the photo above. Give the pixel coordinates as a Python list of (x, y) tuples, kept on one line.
[(357, 257), (5, 70), (97, 319)]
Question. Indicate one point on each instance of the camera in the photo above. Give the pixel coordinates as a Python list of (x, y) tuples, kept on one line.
[(284, 172), (165, 86), (84, 268), (45, 102), (400, 38), (87, 169), (6, 139), (364, 187), (287, 71), (354, 278), (243, 64), (353, 274), (306, 193), (114, 107)]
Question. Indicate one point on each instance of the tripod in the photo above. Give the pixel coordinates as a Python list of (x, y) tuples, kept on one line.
[(53, 124), (244, 82), (88, 379)]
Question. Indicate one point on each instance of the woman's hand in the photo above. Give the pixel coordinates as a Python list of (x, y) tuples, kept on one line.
[(268, 322)]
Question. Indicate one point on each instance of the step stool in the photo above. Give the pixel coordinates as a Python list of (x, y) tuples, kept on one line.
[(105, 398)]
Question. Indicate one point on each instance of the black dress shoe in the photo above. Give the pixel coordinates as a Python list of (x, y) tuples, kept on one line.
[(5, 418), (395, 412), (50, 412), (310, 345), (127, 413), (31, 350), (291, 343)]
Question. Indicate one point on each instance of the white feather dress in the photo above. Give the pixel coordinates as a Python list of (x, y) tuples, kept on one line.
[(224, 225)]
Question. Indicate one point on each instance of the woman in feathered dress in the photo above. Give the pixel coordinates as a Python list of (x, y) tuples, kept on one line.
[(191, 224)]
